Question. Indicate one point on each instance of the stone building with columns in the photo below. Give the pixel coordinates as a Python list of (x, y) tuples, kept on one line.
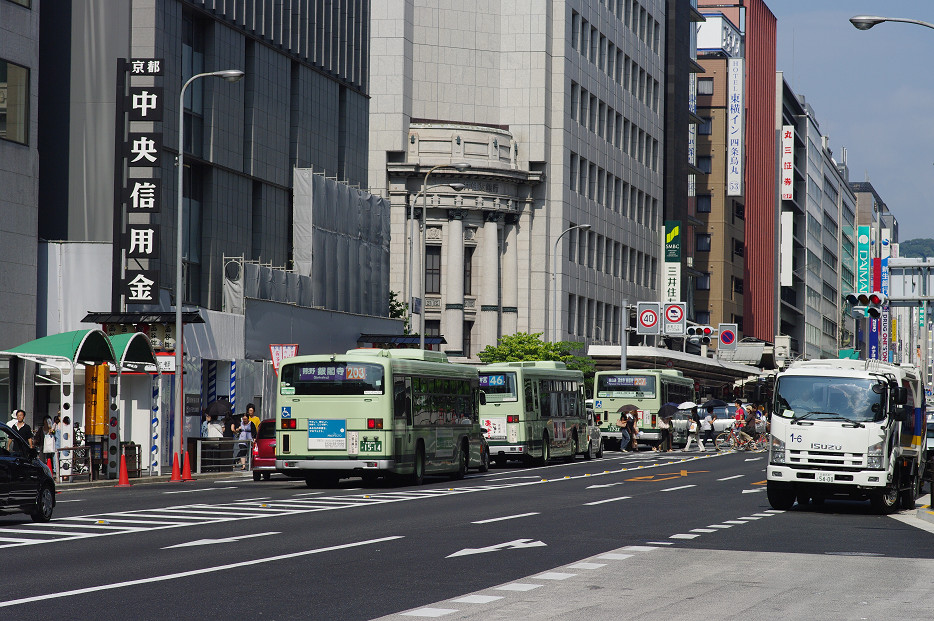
[(557, 108)]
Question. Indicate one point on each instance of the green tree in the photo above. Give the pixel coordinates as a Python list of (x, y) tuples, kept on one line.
[(916, 248), (399, 310), (524, 346)]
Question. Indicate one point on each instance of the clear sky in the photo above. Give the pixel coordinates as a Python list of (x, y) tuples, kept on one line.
[(871, 91)]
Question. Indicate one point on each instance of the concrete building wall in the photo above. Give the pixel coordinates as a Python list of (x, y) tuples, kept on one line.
[(19, 172)]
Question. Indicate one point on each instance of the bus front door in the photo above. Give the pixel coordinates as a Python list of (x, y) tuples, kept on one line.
[(403, 448)]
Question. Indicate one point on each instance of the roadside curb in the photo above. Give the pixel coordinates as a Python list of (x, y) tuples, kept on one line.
[(925, 513), (148, 480)]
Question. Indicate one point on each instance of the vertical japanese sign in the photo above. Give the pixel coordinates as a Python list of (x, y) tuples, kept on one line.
[(137, 183), (788, 163), (672, 264), (884, 288), (692, 133), (278, 353), (734, 126), (874, 351)]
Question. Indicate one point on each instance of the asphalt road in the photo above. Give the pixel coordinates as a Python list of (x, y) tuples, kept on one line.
[(644, 535)]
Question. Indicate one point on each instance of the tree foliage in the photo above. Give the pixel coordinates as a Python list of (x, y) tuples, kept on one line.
[(399, 310), (524, 346), (916, 248)]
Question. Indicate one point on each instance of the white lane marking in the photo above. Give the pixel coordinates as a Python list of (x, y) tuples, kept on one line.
[(583, 565), (604, 485), (553, 575), (750, 517), (507, 517), (477, 599), (773, 511), (753, 491), (308, 494), (613, 556), (518, 586), (200, 489), (673, 489), (205, 542), (429, 612), (600, 502), (735, 476), (720, 526), (703, 530), (508, 545), (639, 548), (754, 459), (193, 572), (735, 522), (684, 536), (763, 514), (70, 500), (661, 543)]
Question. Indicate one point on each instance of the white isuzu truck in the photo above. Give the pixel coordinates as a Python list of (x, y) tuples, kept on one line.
[(852, 428)]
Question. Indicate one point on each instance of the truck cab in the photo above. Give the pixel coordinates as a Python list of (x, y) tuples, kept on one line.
[(847, 428)]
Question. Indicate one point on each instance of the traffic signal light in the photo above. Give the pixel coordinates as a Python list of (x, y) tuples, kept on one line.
[(869, 303), (700, 334), (876, 300)]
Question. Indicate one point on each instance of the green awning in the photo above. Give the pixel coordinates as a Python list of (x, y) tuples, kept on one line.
[(79, 346), (133, 351)]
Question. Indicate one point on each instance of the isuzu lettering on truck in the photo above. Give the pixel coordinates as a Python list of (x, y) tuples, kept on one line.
[(850, 428)]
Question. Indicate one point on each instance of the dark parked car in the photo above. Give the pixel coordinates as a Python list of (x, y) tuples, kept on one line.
[(264, 450), (26, 484)]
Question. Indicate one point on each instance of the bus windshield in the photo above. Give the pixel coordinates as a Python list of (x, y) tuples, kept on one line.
[(629, 386), (829, 398), (334, 378), (499, 387)]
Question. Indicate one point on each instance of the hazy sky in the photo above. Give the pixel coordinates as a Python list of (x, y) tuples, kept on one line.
[(872, 92)]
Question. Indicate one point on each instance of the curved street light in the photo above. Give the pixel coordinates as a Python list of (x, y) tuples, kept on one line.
[(460, 167), (865, 22), (231, 75), (554, 280)]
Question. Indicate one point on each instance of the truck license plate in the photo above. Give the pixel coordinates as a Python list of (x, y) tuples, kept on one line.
[(825, 478)]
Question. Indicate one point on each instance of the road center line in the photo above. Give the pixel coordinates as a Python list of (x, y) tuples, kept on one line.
[(203, 489), (507, 517), (195, 572), (600, 502), (735, 476), (672, 489)]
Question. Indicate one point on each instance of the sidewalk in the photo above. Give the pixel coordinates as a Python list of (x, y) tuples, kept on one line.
[(72, 486)]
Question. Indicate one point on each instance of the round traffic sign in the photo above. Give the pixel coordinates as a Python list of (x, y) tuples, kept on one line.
[(648, 318), (727, 337), (673, 313)]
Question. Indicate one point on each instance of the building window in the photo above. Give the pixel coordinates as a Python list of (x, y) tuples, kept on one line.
[(468, 269), (739, 210), (572, 313), (433, 269), (703, 318), (703, 282), (14, 102), (705, 86), (702, 241), (705, 163), (739, 249), (737, 285), (192, 199), (432, 328), (706, 127), (703, 203), (468, 328), (192, 64)]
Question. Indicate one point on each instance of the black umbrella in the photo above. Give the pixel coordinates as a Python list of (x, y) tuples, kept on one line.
[(627, 407), (668, 410), (219, 409), (714, 403)]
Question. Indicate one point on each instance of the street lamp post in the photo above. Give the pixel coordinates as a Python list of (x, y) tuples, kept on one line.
[(231, 75), (865, 22), (554, 280), (460, 167)]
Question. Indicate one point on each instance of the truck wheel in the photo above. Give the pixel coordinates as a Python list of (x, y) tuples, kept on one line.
[(802, 498), (781, 498), (591, 451), (600, 450), (907, 497), (885, 501), (484, 460)]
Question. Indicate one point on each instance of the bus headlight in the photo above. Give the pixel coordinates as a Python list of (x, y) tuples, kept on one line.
[(777, 451), (874, 456)]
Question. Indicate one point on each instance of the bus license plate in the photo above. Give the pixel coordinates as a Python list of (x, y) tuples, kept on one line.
[(825, 478), (371, 446)]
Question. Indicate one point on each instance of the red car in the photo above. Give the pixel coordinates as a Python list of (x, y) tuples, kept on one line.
[(264, 450)]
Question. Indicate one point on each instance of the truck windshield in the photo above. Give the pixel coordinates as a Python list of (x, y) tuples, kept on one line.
[(829, 398)]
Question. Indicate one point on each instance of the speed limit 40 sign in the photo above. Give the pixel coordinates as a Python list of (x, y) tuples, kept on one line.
[(648, 319)]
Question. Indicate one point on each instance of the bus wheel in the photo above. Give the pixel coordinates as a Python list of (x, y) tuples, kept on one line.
[(484, 460), (546, 451), (575, 448), (462, 460), (418, 470)]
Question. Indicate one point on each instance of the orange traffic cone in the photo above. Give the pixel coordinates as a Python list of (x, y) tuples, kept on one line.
[(186, 471), (124, 480), (176, 477)]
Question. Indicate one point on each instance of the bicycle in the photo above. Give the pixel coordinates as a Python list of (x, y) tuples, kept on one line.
[(730, 440)]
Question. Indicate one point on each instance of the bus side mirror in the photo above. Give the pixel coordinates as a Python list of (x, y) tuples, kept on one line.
[(482, 398), (901, 395)]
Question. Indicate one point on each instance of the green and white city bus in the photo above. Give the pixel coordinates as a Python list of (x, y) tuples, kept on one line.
[(374, 412), (533, 411), (647, 389)]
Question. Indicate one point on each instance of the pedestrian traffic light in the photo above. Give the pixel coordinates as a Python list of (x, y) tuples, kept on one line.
[(700, 334)]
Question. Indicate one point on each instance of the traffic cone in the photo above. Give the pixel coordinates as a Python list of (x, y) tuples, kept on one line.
[(124, 480), (49, 464), (186, 470), (176, 477)]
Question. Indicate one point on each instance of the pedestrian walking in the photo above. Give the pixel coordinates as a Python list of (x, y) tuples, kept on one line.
[(625, 414), (23, 429), (246, 433), (45, 439), (694, 426), (707, 424)]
